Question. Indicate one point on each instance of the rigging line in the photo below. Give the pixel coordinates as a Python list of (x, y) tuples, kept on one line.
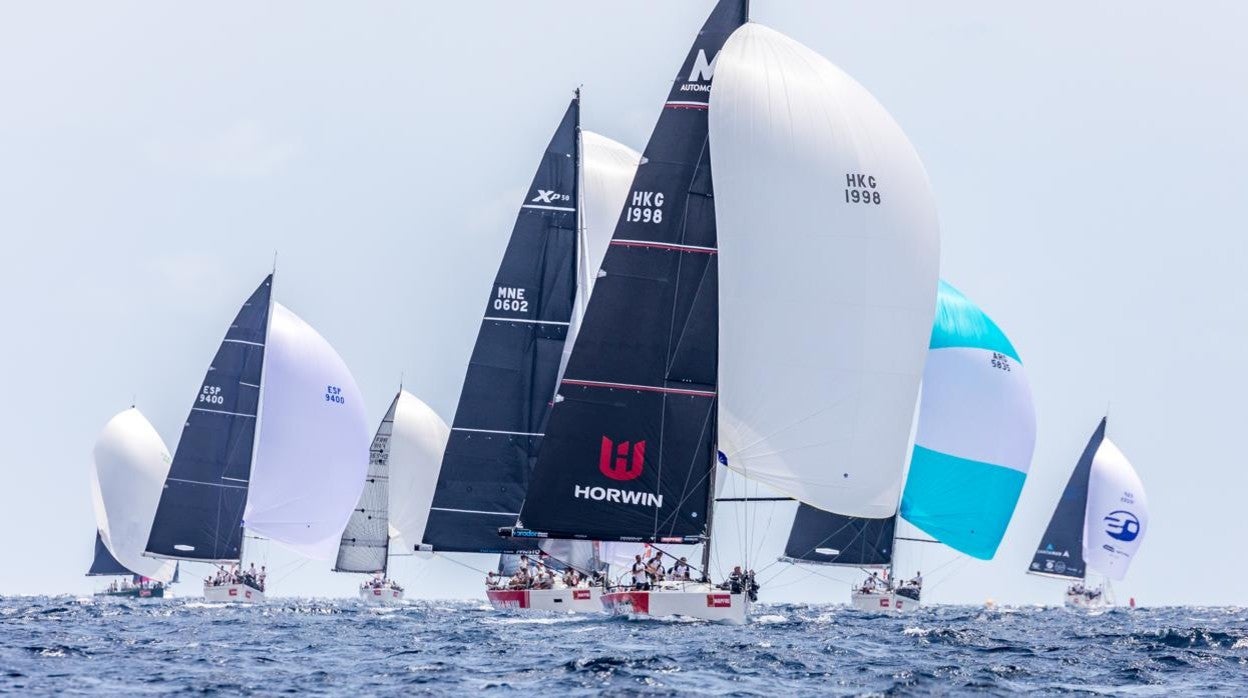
[(461, 564)]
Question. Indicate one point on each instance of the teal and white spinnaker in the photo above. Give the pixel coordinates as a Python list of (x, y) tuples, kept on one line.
[(976, 434)]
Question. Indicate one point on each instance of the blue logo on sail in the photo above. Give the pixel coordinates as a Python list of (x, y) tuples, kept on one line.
[(1122, 525)]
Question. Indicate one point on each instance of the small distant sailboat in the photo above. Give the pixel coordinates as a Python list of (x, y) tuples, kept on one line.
[(972, 452), (532, 316), (130, 462), (276, 441), (1098, 524), (394, 505)]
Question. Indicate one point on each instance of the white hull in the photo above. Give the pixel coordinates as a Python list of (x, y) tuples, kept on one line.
[(883, 601), (1083, 602), (701, 601), (237, 593), (381, 597), (580, 600)]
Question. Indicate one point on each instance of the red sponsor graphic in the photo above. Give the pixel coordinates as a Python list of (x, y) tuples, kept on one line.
[(508, 598), (145, 592), (376, 592), (627, 601), (897, 605), (233, 592), (580, 594), (884, 603), (248, 593), (614, 459), (718, 601)]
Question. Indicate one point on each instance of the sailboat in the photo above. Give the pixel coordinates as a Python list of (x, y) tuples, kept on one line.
[(394, 505), (130, 462), (276, 443), (972, 451), (1098, 524), (532, 315)]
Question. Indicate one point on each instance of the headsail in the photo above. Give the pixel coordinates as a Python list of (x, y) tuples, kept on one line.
[(313, 447), (1117, 513), (630, 447), (103, 564), (977, 430), (365, 544), (416, 449), (832, 539), (1060, 553), (130, 463), (201, 507), (507, 391), (830, 251)]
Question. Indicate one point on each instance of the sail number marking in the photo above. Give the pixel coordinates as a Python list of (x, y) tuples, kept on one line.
[(334, 394), (646, 207), (861, 189), (1001, 362), (511, 298), (211, 395)]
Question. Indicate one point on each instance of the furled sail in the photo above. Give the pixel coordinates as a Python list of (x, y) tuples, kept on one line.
[(416, 447), (103, 564), (365, 544), (128, 472), (313, 447), (977, 430), (830, 250), (1117, 513), (822, 537), (1060, 553), (201, 507), (630, 446), (507, 391)]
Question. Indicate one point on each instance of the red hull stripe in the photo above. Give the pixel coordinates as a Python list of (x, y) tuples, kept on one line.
[(663, 246), (686, 105), (644, 388)]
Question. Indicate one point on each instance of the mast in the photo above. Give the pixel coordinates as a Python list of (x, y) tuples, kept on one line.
[(255, 444)]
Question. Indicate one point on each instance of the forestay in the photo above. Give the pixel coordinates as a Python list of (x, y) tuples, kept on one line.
[(830, 250), (128, 473), (630, 447), (313, 450), (201, 506), (1117, 513), (976, 433)]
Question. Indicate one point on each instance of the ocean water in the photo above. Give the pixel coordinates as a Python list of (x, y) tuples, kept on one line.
[(65, 644)]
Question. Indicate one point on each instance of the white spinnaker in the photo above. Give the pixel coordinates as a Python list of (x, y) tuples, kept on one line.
[(826, 302), (607, 170), (127, 475), (417, 442), (312, 452), (1117, 513)]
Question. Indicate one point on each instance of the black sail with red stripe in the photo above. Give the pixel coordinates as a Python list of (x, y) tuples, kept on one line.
[(630, 447), (511, 376)]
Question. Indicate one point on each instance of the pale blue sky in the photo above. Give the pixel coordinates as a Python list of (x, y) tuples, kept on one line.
[(1088, 161)]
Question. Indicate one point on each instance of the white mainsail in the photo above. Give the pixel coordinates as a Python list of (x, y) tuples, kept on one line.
[(417, 442), (828, 263), (313, 444), (129, 468), (1116, 517)]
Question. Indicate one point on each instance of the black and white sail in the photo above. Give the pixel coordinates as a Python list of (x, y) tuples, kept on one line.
[(1060, 553), (630, 448), (365, 545), (822, 537), (507, 392), (103, 564), (201, 508)]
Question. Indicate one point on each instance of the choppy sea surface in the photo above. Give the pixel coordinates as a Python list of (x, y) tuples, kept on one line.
[(65, 644)]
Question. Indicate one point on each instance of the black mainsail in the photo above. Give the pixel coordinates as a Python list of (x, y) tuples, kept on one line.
[(629, 451), (510, 382), (365, 544), (1060, 553), (822, 537), (200, 513), (104, 564)]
